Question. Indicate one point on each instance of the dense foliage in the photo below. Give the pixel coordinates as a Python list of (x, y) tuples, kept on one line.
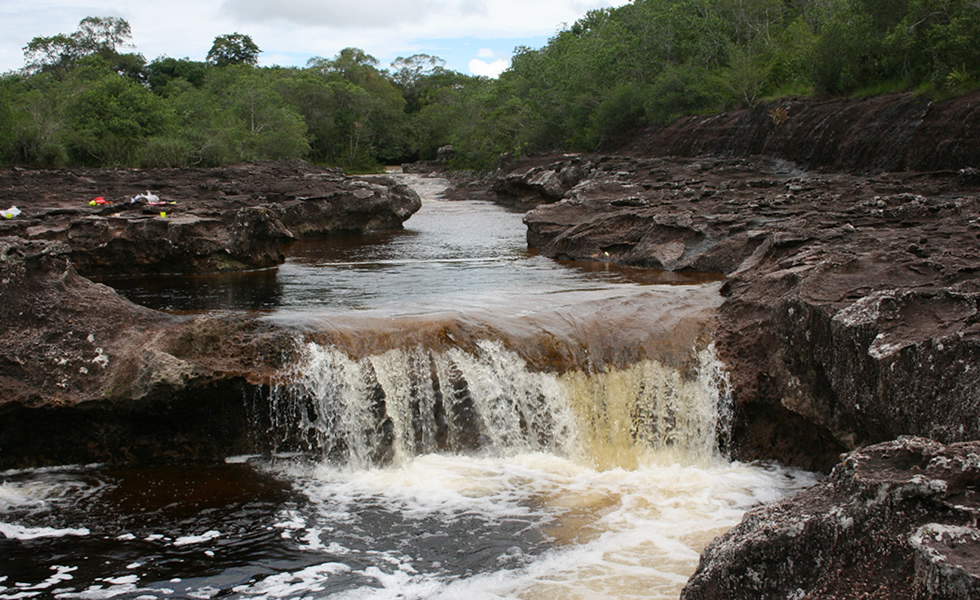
[(81, 100)]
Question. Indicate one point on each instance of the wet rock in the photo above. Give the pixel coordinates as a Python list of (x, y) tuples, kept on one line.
[(445, 153), (850, 318), (86, 376), (62, 334), (896, 520), (946, 561)]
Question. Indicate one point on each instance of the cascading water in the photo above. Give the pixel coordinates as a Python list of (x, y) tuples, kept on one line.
[(463, 420), (392, 407)]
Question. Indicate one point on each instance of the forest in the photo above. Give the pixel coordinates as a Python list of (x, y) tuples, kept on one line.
[(89, 98)]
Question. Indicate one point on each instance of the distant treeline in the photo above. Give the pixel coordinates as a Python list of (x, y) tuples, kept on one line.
[(82, 100)]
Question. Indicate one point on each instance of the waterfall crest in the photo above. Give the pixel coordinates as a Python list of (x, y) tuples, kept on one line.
[(393, 406)]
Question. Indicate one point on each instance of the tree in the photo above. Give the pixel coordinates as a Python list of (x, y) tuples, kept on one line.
[(233, 49), (31, 120), (96, 36), (103, 34), (110, 117), (414, 76), (51, 54), (251, 118), (747, 73), (938, 42), (350, 64), (369, 121), (165, 70), (408, 72)]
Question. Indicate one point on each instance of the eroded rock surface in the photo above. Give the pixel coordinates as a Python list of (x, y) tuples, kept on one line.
[(208, 220), (852, 317), (895, 521), (87, 376), (892, 132)]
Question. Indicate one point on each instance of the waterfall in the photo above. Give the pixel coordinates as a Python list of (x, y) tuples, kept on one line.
[(392, 406)]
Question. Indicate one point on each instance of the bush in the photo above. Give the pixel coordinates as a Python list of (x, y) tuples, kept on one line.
[(680, 91), (164, 152), (622, 111)]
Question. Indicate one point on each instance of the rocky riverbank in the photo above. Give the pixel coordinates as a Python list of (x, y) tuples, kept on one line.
[(87, 376), (851, 315), (894, 521), (119, 221)]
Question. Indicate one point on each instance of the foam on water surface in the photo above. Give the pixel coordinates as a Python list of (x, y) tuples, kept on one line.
[(621, 533)]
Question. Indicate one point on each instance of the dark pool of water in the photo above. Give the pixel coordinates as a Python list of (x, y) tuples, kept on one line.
[(202, 532)]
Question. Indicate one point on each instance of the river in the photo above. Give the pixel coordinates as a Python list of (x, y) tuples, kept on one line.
[(466, 420)]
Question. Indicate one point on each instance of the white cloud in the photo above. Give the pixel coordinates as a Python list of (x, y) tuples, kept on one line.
[(486, 53), (485, 69), (369, 14), (421, 18)]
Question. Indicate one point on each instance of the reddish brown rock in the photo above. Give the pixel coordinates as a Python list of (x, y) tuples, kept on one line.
[(210, 220), (87, 376), (852, 317), (894, 132), (895, 521)]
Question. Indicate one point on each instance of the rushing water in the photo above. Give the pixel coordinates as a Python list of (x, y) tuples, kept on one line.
[(465, 420)]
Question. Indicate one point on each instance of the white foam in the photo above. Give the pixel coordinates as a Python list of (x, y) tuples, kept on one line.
[(618, 533), (187, 540), (400, 584), (18, 532), (302, 583), (100, 592), (241, 459), (122, 580), (43, 488), (25, 590), (632, 534)]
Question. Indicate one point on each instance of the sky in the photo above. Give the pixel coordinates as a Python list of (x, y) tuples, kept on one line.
[(475, 37)]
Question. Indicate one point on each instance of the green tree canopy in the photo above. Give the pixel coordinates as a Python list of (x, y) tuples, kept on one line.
[(81, 98), (233, 49), (165, 70), (96, 36)]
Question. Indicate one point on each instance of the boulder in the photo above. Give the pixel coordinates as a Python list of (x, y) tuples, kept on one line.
[(529, 182), (895, 521)]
